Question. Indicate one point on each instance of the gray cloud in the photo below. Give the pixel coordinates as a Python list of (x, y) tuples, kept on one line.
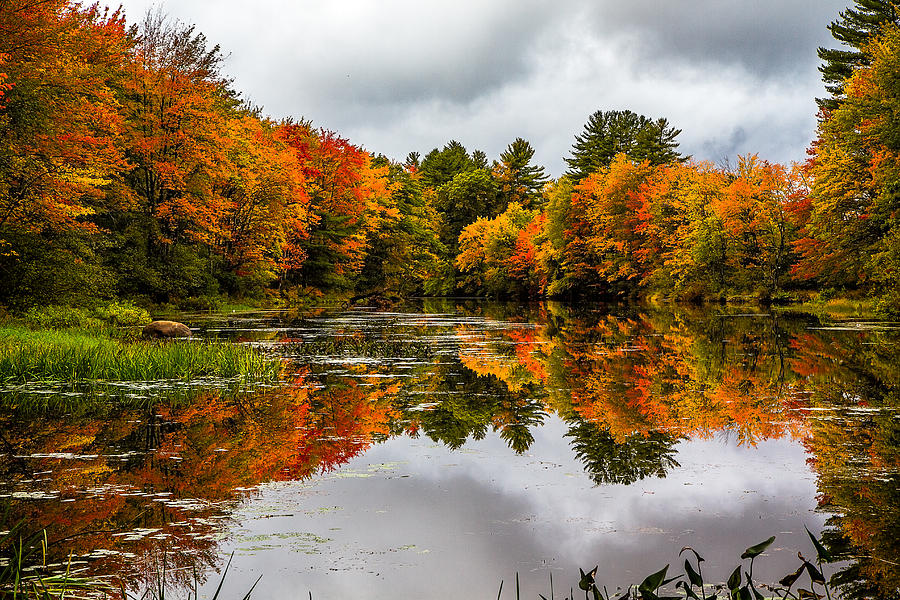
[(399, 75), (767, 38)]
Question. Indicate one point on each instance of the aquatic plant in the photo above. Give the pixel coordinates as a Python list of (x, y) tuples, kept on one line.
[(72, 356), (25, 573), (739, 586)]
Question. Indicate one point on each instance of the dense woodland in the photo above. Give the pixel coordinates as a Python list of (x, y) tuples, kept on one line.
[(129, 167)]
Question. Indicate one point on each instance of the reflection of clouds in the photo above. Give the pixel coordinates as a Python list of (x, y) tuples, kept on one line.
[(483, 513)]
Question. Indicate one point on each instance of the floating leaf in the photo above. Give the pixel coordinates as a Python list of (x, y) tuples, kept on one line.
[(758, 549)]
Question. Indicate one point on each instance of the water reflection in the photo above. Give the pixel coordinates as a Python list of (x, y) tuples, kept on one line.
[(120, 480)]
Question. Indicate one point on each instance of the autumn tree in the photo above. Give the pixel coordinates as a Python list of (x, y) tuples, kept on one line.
[(177, 105), (850, 229), (59, 128), (348, 194), (405, 255), (267, 207), (605, 251), (493, 257)]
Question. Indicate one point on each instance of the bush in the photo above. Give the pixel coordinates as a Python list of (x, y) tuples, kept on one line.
[(122, 314), (61, 317)]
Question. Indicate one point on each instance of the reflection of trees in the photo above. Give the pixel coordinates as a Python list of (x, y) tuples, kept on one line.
[(855, 441), (629, 387), (608, 460), (469, 405), (175, 470)]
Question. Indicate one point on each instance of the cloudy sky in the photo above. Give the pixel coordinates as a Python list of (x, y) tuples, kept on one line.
[(400, 75)]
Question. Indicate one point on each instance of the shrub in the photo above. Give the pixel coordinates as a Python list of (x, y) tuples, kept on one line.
[(61, 317), (122, 314)]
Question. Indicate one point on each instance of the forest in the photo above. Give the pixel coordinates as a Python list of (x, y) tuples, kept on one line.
[(130, 168)]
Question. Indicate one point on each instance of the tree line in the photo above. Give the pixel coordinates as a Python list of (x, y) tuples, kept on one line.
[(130, 167)]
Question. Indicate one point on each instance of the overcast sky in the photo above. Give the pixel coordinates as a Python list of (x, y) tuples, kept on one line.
[(736, 76)]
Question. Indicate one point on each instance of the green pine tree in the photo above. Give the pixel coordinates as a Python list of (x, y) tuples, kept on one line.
[(518, 179), (853, 28), (609, 133)]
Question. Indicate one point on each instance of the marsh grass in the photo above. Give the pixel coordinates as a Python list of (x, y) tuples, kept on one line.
[(25, 573), (78, 355)]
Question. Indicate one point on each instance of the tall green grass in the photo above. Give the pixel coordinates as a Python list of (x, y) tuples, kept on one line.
[(70, 356)]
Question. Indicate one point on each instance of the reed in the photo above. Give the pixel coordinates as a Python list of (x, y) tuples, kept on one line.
[(73, 355)]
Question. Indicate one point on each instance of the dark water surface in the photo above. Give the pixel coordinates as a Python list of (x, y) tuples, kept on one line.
[(435, 451)]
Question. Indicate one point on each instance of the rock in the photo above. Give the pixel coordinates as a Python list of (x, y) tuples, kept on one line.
[(166, 329)]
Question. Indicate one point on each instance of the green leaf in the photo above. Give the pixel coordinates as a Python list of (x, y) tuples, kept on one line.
[(744, 593), (687, 590), (735, 580), (652, 582), (587, 579), (824, 555), (758, 549), (756, 594), (693, 575)]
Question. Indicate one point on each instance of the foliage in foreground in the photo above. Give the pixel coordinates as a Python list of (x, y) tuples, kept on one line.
[(739, 586), (71, 356), (25, 573)]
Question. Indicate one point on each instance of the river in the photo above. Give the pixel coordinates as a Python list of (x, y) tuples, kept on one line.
[(438, 449)]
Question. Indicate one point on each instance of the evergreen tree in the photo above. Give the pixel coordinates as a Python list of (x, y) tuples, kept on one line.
[(518, 179), (479, 159), (608, 133), (853, 28), (441, 166)]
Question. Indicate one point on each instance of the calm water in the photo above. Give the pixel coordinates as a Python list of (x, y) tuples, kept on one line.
[(435, 451)]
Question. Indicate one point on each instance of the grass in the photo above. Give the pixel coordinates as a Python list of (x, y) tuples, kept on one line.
[(25, 574), (79, 355)]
